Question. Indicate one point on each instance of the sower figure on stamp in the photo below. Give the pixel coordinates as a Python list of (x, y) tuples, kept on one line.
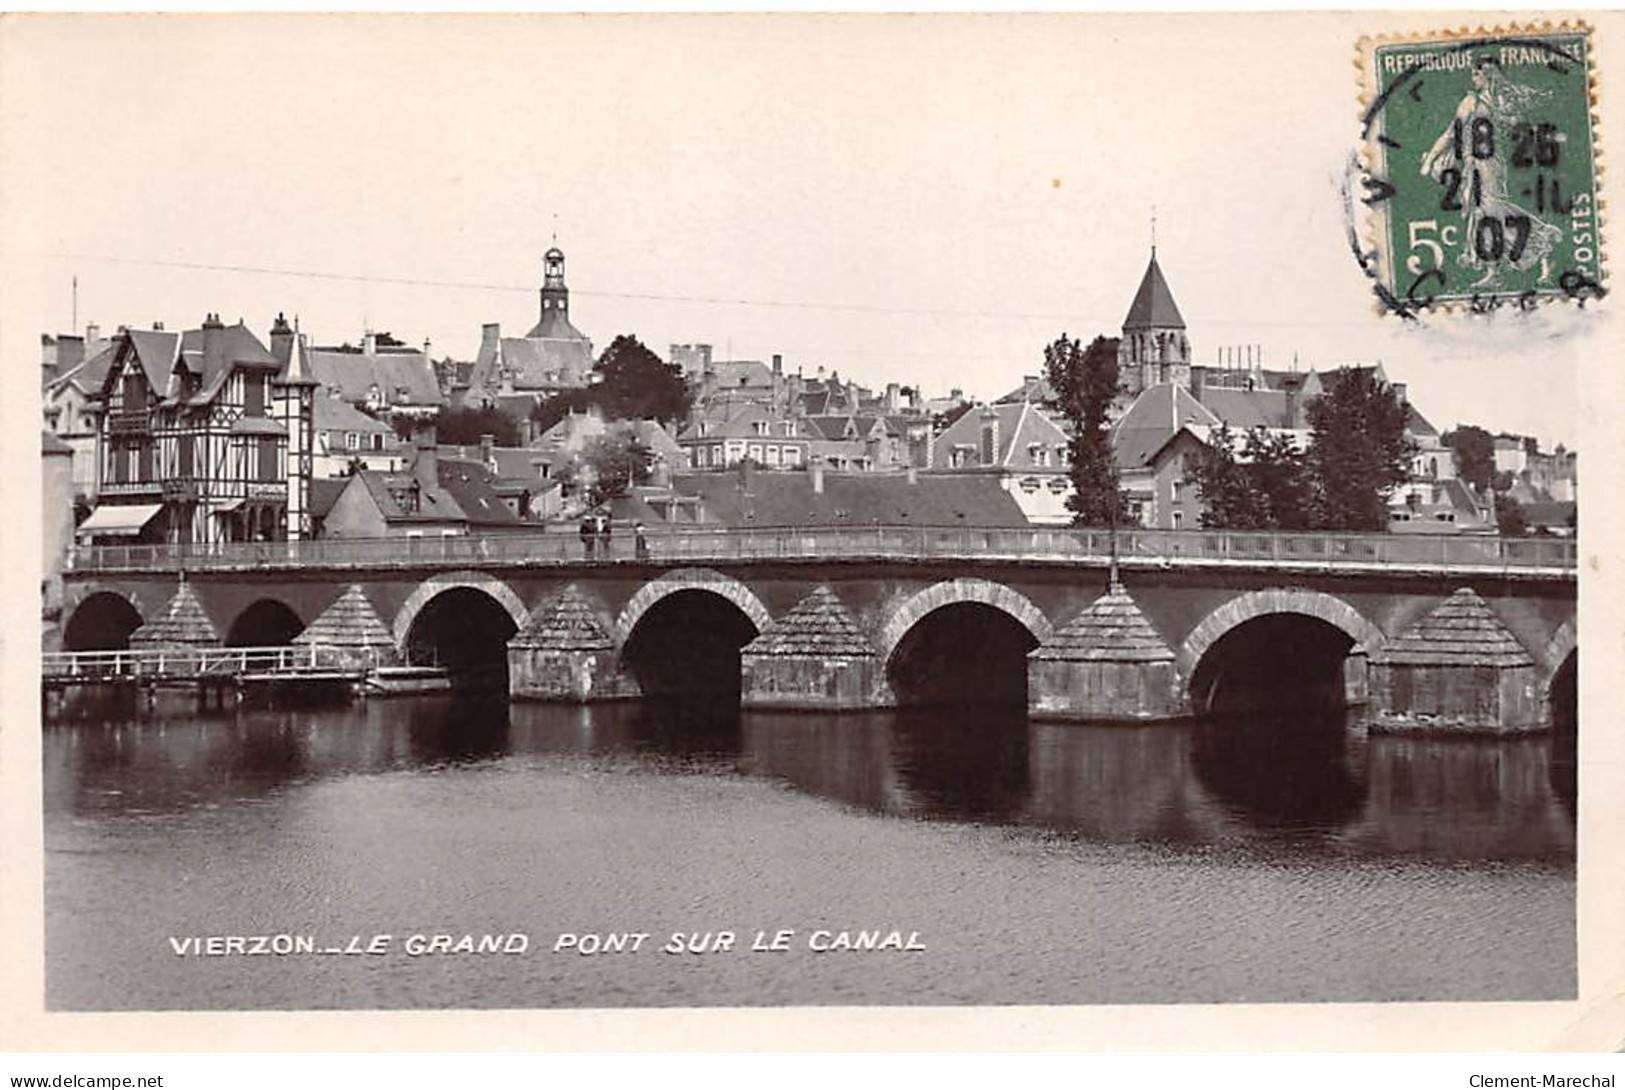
[(1469, 159)]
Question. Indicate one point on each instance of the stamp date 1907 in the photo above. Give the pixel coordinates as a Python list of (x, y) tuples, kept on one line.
[(1480, 170)]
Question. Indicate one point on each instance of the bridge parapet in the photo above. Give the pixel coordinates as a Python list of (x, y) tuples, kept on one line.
[(1541, 558)]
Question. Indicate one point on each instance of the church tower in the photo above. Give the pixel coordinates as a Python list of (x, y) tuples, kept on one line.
[(555, 296), (1154, 348)]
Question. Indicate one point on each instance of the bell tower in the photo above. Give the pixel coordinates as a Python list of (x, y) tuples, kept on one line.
[(1154, 348), (555, 296)]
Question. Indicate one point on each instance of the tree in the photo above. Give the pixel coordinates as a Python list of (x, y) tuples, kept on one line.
[(550, 410), (465, 426), (608, 465), (636, 384), (1510, 518), (1085, 382), (1358, 452), (1266, 488), (1475, 454)]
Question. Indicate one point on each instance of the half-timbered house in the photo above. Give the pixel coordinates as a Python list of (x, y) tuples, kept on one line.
[(193, 437)]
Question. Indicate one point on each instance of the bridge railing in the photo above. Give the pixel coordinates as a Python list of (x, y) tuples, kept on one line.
[(139, 662), (856, 542)]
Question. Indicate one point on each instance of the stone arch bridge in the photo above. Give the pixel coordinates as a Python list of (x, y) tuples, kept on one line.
[(1446, 633)]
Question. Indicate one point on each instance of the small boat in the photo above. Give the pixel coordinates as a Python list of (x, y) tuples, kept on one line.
[(406, 680)]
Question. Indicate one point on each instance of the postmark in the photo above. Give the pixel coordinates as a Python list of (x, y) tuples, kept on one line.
[(1479, 167)]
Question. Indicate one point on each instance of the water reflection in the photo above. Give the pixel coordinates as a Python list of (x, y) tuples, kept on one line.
[(1282, 784)]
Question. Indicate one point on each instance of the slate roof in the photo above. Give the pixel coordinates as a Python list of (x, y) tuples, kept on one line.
[(565, 623), (742, 374), (50, 444), (1153, 306), (473, 489), (818, 626), (1154, 417), (351, 621), (1244, 410), (855, 499), (1111, 628), (183, 623), (89, 374), (354, 374), (336, 414), (324, 492), (155, 350), (1460, 631), (1021, 424), (539, 363)]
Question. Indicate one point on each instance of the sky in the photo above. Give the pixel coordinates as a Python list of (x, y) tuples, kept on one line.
[(921, 199)]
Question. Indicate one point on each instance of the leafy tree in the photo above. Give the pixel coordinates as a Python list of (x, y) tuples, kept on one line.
[(1266, 488), (1358, 452), (608, 465), (636, 384), (465, 426), (550, 410), (1231, 499), (1510, 517), (1475, 454), (1085, 382)]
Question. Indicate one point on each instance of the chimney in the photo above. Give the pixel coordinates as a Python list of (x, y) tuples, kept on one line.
[(93, 333), (1198, 381), (815, 467), (1292, 405), (426, 466), (214, 344), (914, 398), (1399, 391), (281, 340), (778, 365), (369, 343), (1030, 389), (426, 347), (488, 444), (893, 396), (990, 436)]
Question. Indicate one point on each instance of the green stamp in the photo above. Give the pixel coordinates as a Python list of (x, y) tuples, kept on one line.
[(1480, 170)]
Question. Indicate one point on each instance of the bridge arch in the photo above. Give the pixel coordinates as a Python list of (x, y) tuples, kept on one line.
[(264, 622), (1334, 611), (102, 621), (681, 579), (426, 591), (962, 591), (1559, 647)]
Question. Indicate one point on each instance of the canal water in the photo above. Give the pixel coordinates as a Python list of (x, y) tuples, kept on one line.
[(1258, 860)]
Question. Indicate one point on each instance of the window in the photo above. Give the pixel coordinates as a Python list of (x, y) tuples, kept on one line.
[(267, 458), (1037, 455), (772, 455), (792, 456), (185, 457), (760, 427), (377, 441), (352, 441), (253, 395), (1179, 517), (754, 452)]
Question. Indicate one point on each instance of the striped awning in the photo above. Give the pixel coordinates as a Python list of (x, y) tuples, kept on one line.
[(119, 520)]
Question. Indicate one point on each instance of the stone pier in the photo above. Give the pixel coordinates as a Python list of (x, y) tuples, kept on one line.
[(352, 629), (815, 656), (1108, 664), (566, 653), (1458, 669)]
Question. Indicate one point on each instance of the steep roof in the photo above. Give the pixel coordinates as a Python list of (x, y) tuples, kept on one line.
[(1153, 306), (1021, 424), (155, 350), (856, 499), (336, 414), (473, 488), (746, 374), (819, 626), (88, 375), (1248, 409), (538, 362), (1111, 628), (1461, 631), (355, 374), (565, 623), (555, 325), (351, 621), (183, 623), (324, 492), (238, 347), (1157, 414), (50, 444)]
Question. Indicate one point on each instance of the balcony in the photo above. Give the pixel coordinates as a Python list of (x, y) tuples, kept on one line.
[(138, 422)]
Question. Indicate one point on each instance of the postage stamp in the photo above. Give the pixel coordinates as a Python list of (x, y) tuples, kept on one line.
[(1481, 168)]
